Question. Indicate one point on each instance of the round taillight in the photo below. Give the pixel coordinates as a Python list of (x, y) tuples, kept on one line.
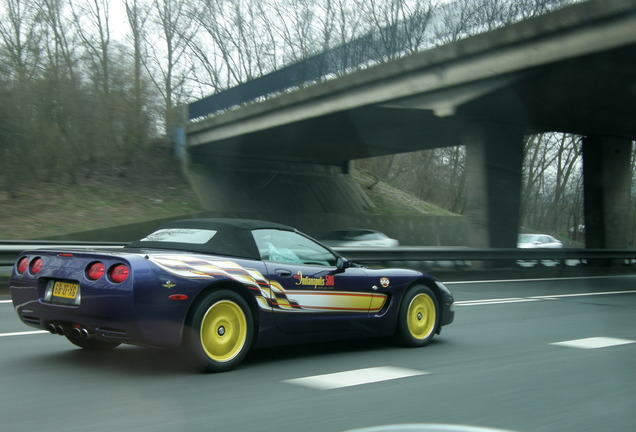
[(36, 266), (95, 270), (23, 264), (119, 273)]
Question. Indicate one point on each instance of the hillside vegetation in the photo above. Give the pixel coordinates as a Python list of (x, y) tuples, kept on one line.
[(155, 188)]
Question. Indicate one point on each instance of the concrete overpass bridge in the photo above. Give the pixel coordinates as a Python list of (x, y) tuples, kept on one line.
[(572, 70)]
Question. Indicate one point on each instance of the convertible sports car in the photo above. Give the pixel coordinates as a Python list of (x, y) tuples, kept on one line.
[(216, 288)]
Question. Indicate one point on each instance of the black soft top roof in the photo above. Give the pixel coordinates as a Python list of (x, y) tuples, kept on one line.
[(233, 237)]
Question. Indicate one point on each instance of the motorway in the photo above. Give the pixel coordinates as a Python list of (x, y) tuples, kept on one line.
[(534, 355)]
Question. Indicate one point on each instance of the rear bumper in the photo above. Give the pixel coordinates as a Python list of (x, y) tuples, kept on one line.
[(108, 317), (101, 318)]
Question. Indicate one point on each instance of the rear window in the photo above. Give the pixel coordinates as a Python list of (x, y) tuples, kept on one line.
[(180, 235)]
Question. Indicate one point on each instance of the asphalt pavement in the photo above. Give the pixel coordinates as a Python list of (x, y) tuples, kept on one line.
[(548, 355)]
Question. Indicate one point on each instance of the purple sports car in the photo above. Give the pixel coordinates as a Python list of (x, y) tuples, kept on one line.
[(216, 288)]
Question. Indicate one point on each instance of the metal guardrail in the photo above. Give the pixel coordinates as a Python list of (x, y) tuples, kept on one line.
[(9, 251), (477, 254)]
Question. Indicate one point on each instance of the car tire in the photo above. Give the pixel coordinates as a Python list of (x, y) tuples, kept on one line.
[(91, 344), (418, 317), (219, 332)]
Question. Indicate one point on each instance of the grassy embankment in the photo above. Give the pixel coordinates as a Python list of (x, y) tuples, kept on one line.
[(155, 190)]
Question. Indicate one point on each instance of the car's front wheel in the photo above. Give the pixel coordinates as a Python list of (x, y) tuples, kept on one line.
[(418, 317), (220, 331)]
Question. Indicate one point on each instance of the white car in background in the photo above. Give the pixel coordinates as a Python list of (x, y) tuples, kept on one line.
[(538, 241), (358, 238), (528, 241)]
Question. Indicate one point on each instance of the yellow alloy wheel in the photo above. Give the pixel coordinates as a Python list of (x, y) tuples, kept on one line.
[(223, 331), (421, 316)]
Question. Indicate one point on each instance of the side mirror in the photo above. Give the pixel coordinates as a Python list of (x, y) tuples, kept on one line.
[(342, 263)]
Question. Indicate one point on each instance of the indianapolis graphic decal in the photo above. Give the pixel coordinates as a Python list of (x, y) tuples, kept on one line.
[(270, 295)]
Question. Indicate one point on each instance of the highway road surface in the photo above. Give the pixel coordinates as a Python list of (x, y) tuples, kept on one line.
[(550, 355)]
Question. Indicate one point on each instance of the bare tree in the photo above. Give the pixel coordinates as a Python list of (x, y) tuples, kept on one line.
[(400, 27), (455, 21), (567, 151), (462, 18), (20, 39), (552, 183), (21, 36), (535, 165), (58, 108), (59, 46), (137, 129), (175, 29), (342, 24), (137, 16), (295, 28), (92, 20)]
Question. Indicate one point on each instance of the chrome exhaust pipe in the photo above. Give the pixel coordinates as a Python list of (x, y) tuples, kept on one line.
[(59, 330), (51, 328), (81, 332)]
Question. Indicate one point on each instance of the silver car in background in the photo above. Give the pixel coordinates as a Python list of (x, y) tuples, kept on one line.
[(527, 241), (542, 241), (358, 238)]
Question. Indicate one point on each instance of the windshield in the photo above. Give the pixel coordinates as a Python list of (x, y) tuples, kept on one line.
[(194, 236)]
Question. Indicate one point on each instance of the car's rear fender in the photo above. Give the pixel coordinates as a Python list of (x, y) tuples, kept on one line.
[(230, 285)]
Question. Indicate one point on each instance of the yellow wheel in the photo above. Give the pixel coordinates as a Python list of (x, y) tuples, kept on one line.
[(223, 331), (418, 317), (219, 331), (421, 316)]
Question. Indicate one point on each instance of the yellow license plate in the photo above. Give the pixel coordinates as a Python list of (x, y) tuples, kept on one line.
[(65, 290)]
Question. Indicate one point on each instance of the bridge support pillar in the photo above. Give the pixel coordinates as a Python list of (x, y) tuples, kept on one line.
[(493, 168), (230, 185), (606, 186)]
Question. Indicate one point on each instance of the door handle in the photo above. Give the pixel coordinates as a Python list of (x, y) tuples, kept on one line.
[(283, 272)]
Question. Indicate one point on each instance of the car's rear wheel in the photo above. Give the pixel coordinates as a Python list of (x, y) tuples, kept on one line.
[(91, 344), (418, 317), (220, 331)]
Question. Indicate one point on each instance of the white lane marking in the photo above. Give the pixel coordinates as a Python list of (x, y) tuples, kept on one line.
[(23, 333), (536, 298), (594, 342), (5, 301), (584, 294), (536, 279), (495, 301), (355, 377)]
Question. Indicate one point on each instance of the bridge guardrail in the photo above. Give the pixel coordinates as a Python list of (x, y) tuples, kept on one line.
[(9, 251)]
